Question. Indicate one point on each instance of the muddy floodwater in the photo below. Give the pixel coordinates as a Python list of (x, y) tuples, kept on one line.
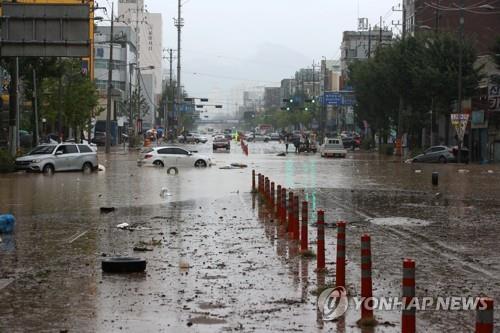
[(217, 259)]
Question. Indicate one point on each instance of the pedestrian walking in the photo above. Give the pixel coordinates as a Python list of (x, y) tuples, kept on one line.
[(286, 143)]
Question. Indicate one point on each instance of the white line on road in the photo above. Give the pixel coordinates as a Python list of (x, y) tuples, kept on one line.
[(78, 236)]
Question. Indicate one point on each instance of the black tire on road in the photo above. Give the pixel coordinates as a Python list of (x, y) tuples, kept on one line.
[(123, 265), (48, 169), (158, 164), (200, 164), (176, 171), (442, 159), (87, 167)]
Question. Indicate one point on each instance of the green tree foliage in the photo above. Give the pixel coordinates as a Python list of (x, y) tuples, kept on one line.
[(72, 92), (419, 71)]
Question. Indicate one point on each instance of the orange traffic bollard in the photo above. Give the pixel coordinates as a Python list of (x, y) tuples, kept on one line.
[(283, 206), (366, 279), (484, 315), (340, 264), (278, 201), (289, 227), (304, 229), (273, 196), (253, 182), (408, 320), (296, 219), (320, 266)]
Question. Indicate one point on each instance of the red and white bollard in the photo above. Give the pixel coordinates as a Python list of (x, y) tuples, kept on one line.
[(278, 201), (283, 206), (296, 219), (253, 182), (366, 279), (341, 247), (266, 189), (273, 196), (484, 315), (304, 246), (320, 264), (289, 227), (408, 319)]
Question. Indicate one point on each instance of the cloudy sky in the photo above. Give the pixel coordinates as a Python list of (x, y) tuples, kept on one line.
[(231, 45)]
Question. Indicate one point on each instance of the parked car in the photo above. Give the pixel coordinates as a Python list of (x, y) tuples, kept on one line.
[(99, 138), (257, 137), (333, 147), (221, 142), (350, 140), (192, 138), (60, 157), (172, 156), (275, 136), (441, 154)]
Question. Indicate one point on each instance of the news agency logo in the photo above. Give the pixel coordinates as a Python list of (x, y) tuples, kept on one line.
[(333, 303)]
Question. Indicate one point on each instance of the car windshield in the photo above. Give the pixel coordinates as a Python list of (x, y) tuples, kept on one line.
[(42, 150)]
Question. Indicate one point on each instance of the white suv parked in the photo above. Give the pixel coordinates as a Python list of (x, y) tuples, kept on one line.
[(60, 157)]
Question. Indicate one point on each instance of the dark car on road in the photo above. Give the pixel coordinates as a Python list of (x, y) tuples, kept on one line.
[(99, 138), (221, 142)]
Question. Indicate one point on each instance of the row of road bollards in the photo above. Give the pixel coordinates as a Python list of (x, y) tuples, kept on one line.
[(287, 214)]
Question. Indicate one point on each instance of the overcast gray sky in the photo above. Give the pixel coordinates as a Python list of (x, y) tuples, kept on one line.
[(232, 44)]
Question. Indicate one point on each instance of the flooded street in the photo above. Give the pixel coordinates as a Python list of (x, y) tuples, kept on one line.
[(217, 260)]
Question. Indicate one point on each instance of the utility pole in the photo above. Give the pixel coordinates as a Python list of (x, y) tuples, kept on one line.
[(170, 60), (35, 109), (369, 42), (314, 79), (130, 118), (380, 35), (14, 134), (110, 85), (179, 23)]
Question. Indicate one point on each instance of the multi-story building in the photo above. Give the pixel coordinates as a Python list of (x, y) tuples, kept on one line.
[(272, 98), (149, 27), (308, 80), (124, 54), (361, 45), (287, 89), (481, 19), (330, 75)]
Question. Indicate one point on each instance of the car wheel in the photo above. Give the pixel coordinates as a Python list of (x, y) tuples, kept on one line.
[(123, 265), (48, 169), (200, 164), (158, 164), (442, 159), (266, 140), (174, 169), (196, 141), (87, 167)]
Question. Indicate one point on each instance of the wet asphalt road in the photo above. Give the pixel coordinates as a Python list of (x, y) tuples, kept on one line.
[(218, 262)]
